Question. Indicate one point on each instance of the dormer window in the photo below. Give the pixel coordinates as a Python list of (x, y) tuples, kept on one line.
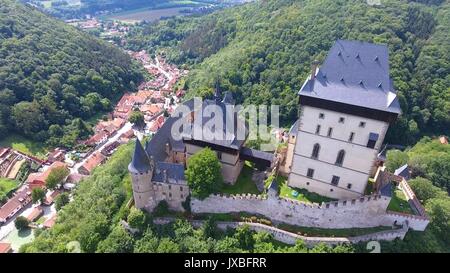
[(341, 120), (321, 115), (362, 124)]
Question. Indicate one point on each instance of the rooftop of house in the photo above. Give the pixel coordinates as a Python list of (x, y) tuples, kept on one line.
[(96, 159), (354, 73), (15, 202), (44, 175), (5, 247)]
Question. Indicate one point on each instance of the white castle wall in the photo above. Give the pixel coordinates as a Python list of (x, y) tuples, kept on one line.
[(367, 211)]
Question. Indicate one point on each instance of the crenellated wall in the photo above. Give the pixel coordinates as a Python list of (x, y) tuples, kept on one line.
[(367, 211)]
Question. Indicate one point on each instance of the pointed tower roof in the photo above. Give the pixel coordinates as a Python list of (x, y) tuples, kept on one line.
[(140, 162)]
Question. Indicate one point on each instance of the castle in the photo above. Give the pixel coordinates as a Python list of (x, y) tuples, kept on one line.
[(346, 107), (157, 170)]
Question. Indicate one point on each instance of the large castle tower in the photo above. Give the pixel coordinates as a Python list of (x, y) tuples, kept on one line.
[(347, 106), (141, 169)]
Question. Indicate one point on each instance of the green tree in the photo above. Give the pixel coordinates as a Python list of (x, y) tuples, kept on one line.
[(203, 173), (439, 211), (395, 159), (147, 244), (38, 195), (56, 177), (425, 190), (61, 200), (244, 235), (137, 118), (166, 245), (137, 219), (21, 223), (118, 241)]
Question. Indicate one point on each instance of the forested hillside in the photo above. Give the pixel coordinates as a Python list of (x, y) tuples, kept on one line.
[(53, 76), (262, 51)]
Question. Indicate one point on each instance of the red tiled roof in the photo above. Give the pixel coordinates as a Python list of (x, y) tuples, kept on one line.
[(96, 159), (21, 198), (42, 177), (5, 248), (35, 213), (50, 222)]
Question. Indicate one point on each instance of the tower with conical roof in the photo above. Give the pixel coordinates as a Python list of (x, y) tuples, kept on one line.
[(141, 169)]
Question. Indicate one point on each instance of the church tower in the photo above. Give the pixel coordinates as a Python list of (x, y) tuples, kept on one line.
[(141, 168)]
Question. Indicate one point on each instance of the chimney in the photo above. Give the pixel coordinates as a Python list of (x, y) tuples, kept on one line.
[(314, 65)]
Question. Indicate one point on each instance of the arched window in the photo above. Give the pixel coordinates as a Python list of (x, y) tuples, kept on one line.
[(340, 158), (315, 152)]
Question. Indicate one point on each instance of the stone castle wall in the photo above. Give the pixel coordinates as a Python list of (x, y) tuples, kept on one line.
[(367, 211)]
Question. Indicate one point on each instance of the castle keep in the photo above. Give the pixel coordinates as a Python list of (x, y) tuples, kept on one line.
[(346, 107)]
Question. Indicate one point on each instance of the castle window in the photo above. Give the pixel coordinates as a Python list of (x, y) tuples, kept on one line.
[(373, 137), (307, 183), (219, 155), (335, 180), (310, 173), (170, 195), (170, 187), (349, 186), (331, 189), (318, 129), (352, 135), (181, 188), (321, 115), (315, 152), (341, 120), (340, 158), (362, 124), (181, 196), (330, 131)]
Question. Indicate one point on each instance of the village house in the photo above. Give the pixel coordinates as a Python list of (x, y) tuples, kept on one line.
[(35, 213), (5, 248), (21, 198), (57, 154), (95, 160), (38, 180), (50, 222)]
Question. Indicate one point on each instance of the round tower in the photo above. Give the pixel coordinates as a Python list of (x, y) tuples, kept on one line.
[(141, 170)]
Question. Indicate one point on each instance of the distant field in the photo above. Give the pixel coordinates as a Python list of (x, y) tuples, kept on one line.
[(145, 14)]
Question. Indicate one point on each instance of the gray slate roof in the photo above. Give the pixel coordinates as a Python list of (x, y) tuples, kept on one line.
[(403, 171), (140, 162), (172, 171), (355, 73)]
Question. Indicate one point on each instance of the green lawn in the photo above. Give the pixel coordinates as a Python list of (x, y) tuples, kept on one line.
[(24, 145), (41, 220), (324, 232), (399, 202), (7, 185), (303, 195), (244, 184)]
